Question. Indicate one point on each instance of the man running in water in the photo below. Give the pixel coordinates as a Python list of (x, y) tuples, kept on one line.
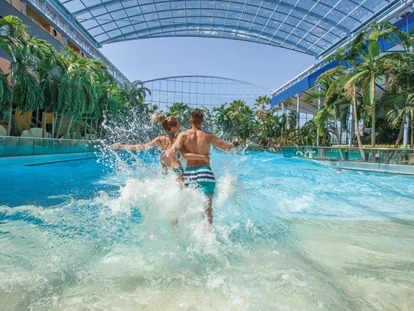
[(198, 172), (171, 125)]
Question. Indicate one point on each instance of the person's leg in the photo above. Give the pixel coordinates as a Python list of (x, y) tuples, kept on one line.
[(209, 210), (180, 179)]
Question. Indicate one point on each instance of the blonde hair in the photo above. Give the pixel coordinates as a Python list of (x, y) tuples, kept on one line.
[(167, 123)]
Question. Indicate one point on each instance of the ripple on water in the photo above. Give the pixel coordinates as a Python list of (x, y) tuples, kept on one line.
[(289, 234)]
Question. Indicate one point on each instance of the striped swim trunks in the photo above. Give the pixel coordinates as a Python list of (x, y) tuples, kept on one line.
[(202, 177)]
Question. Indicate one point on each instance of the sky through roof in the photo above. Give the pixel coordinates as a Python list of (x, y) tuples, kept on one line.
[(307, 26)]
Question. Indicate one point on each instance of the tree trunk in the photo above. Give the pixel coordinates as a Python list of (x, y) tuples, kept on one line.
[(85, 123), (412, 131), (10, 119), (54, 124), (98, 128), (92, 128), (361, 151), (44, 124), (400, 133), (60, 124), (10, 112), (374, 116), (398, 141), (70, 125), (338, 137)]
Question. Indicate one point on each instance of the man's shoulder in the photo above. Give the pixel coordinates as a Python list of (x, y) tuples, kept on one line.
[(185, 133), (205, 132), (190, 132)]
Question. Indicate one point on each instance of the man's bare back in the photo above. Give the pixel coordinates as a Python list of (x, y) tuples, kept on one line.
[(198, 172), (199, 142)]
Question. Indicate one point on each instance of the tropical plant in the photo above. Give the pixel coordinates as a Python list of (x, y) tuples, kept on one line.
[(208, 120), (242, 120), (80, 87), (136, 93), (222, 122), (363, 55), (25, 93), (182, 112), (4, 90), (48, 77)]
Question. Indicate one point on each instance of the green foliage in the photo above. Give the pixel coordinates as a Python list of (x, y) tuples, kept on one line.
[(5, 90), (64, 83), (76, 88), (182, 112), (357, 85)]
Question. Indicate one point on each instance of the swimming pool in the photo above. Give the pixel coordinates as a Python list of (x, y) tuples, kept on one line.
[(289, 234)]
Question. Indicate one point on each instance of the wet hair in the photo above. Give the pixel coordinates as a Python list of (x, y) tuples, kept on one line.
[(197, 116), (167, 123)]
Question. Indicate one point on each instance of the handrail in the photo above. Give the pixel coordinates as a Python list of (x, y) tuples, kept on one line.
[(403, 156), (47, 138), (356, 148), (14, 146)]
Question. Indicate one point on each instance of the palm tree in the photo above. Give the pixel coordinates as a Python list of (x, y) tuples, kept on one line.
[(20, 47), (136, 92), (80, 86), (283, 139), (4, 90), (242, 120), (112, 98), (400, 82), (182, 112), (222, 121), (262, 102), (266, 128), (334, 105), (209, 120), (49, 78), (368, 65)]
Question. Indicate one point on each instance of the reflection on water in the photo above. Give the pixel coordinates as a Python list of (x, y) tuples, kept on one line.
[(289, 234)]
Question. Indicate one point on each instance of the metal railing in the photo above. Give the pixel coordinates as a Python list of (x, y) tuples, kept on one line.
[(26, 146), (371, 155)]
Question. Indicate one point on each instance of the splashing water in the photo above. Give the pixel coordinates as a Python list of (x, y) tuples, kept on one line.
[(288, 234)]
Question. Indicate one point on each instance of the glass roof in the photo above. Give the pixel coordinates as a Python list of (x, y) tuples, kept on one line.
[(201, 91), (308, 26)]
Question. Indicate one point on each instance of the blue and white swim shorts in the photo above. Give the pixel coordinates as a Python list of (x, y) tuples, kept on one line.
[(202, 177)]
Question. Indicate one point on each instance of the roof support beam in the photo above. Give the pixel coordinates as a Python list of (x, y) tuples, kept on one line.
[(95, 7), (279, 3), (298, 110), (208, 28)]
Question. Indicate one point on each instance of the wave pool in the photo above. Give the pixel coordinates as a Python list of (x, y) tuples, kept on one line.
[(288, 234)]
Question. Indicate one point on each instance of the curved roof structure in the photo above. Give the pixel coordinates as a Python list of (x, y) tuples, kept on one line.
[(201, 91), (307, 26)]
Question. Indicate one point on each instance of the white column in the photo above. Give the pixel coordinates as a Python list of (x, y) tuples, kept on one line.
[(319, 107), (298, 109), (405, 137), (350, 127)]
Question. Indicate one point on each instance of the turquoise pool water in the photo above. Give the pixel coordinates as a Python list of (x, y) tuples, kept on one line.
[(289, 234)]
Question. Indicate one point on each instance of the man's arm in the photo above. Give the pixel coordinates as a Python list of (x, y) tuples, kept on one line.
[(220, 144), (193, 156), (177, 146), (155, 142)]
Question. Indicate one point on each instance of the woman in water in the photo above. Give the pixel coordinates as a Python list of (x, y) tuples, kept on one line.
[(171, 126)]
